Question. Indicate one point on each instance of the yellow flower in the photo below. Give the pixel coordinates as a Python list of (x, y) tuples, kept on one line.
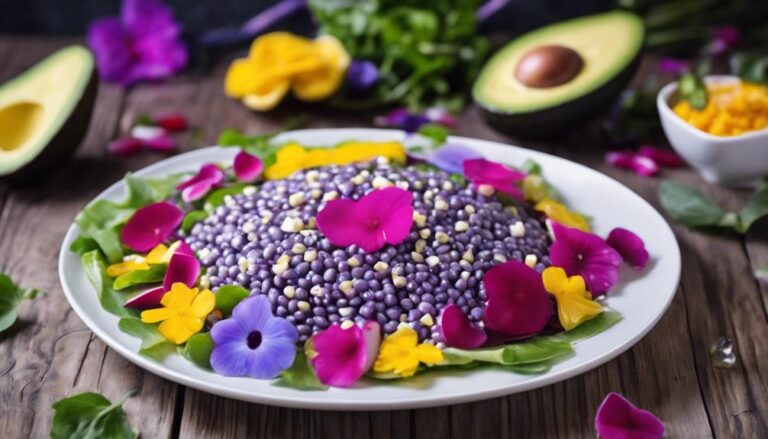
[(293, 157), (574, 303), (559, 213), (183, 313), (401, 353), (281, 61), (161, 254)]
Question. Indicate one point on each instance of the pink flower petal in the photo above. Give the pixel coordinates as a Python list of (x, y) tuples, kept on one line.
[(163, 143), (643, 166), (517, 305), (620, 159), (247, 167), (618, 418), (208, 171), (500, 177), (125, 146), (343, 355), (173, 122), (630, 246), (184, 249), (151, 225), (458, 331), (182, 268), (197, 190), (147, 300), (587, 255), (383, 216), (662, 157)]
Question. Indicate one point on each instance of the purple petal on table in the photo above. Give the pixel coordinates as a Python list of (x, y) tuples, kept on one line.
[(663, 157), (643, 166), (618, 418), (630, 246)]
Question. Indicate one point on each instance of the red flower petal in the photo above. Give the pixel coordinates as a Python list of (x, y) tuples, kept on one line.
[(663, 157), (147, 300), (587, 255), (458, 331), (125, 146), (151, 225), (620, 159), (517, 305), (500, 177), (344, 355), (630, 246), (162, 143), (182, 268), (618, 418), (247, 167), (383, 216), (173, 122)]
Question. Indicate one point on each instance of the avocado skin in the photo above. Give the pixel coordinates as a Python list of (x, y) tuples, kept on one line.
[(555, 122), (64, 144)]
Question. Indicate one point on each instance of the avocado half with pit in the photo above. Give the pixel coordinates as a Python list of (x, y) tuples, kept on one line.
[(552, 79), (44, 113)]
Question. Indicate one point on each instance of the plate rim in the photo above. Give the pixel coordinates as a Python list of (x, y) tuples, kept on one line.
[(347, 402)]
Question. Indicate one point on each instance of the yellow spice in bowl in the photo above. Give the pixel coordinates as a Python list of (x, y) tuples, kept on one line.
[(732, 109)]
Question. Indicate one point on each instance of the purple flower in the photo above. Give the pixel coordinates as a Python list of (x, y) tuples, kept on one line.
[(723, 40), (362, 75), (409, 122), (618, 418), (142, 44), (450, 157), (673, 66), (253, 343)]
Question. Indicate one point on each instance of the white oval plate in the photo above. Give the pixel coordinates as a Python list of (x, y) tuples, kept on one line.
[(641, 299)]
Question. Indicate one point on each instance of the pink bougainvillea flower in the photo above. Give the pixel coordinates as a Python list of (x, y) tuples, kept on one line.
[(496, 175), (630, 246), (173, 122), (151, 225), (183, 267), (341, 356), (195, 188), (142, 44), (618, 418), (640, 165), (587, 255), (247, 167), (383, 216), (517, 305), (458, 331), (125, 146), (662, 157)]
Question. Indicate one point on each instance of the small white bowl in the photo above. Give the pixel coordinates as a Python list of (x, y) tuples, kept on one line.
[(737, 161)]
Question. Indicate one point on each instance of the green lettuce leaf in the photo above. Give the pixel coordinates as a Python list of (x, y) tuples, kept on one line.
[(198, 350), (11, 297), (154, 273), (95, 269), (153, 344), (592, 327), (91, 416), (228, 296), (534, 350), (192, 218), (300, 375)]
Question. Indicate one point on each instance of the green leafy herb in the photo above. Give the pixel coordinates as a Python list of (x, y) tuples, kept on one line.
[(692, 89), (216, 198), (153, 344), (228, 296), (535, 350), (751, 66), (96, 271), (690, 207), (11, 297), (435, 132), (192, 218), (198, 349), (592, 327), (300, 375), (153, 274), (91, 416)]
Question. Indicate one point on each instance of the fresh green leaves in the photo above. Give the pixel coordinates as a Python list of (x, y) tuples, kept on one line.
[(591, 327), (11, 297), (435, 132), (153, 344), (535, 350), (750, 66), (228, 296), (260, 145), (192, 218), (91, 416), (153, 274), (690, 207), (692, 89), (96, 271), (300, 375), (216, 197), (198, 350)]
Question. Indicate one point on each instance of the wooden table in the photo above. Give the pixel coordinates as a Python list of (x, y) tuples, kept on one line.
[(51, 354)]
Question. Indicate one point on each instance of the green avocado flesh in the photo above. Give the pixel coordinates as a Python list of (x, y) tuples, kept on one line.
[(609, 44), (44, 112)]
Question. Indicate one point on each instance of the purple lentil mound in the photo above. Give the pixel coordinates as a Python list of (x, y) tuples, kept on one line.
[(265, 240)]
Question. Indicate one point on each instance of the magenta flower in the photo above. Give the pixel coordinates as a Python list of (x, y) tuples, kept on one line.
[(673, 66), (151, 225), (618, 418), (183, 267), (383, 216), (247, 167), (142, 44), (451, 156), (662, 157), (517, 305), (458, 331), (342, 356), (723, 40), (147, 300), (253, 343), (195, 188), (638, 164), (125, 146), (585, 254), (630, 246), (496, 175)]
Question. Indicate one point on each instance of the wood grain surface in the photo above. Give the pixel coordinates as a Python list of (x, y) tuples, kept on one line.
[(51, 354)]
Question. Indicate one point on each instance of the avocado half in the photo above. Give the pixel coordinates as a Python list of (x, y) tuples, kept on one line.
[(45, 111), (609, 45)]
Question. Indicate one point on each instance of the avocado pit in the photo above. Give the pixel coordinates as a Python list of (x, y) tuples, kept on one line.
[(548, 66)]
